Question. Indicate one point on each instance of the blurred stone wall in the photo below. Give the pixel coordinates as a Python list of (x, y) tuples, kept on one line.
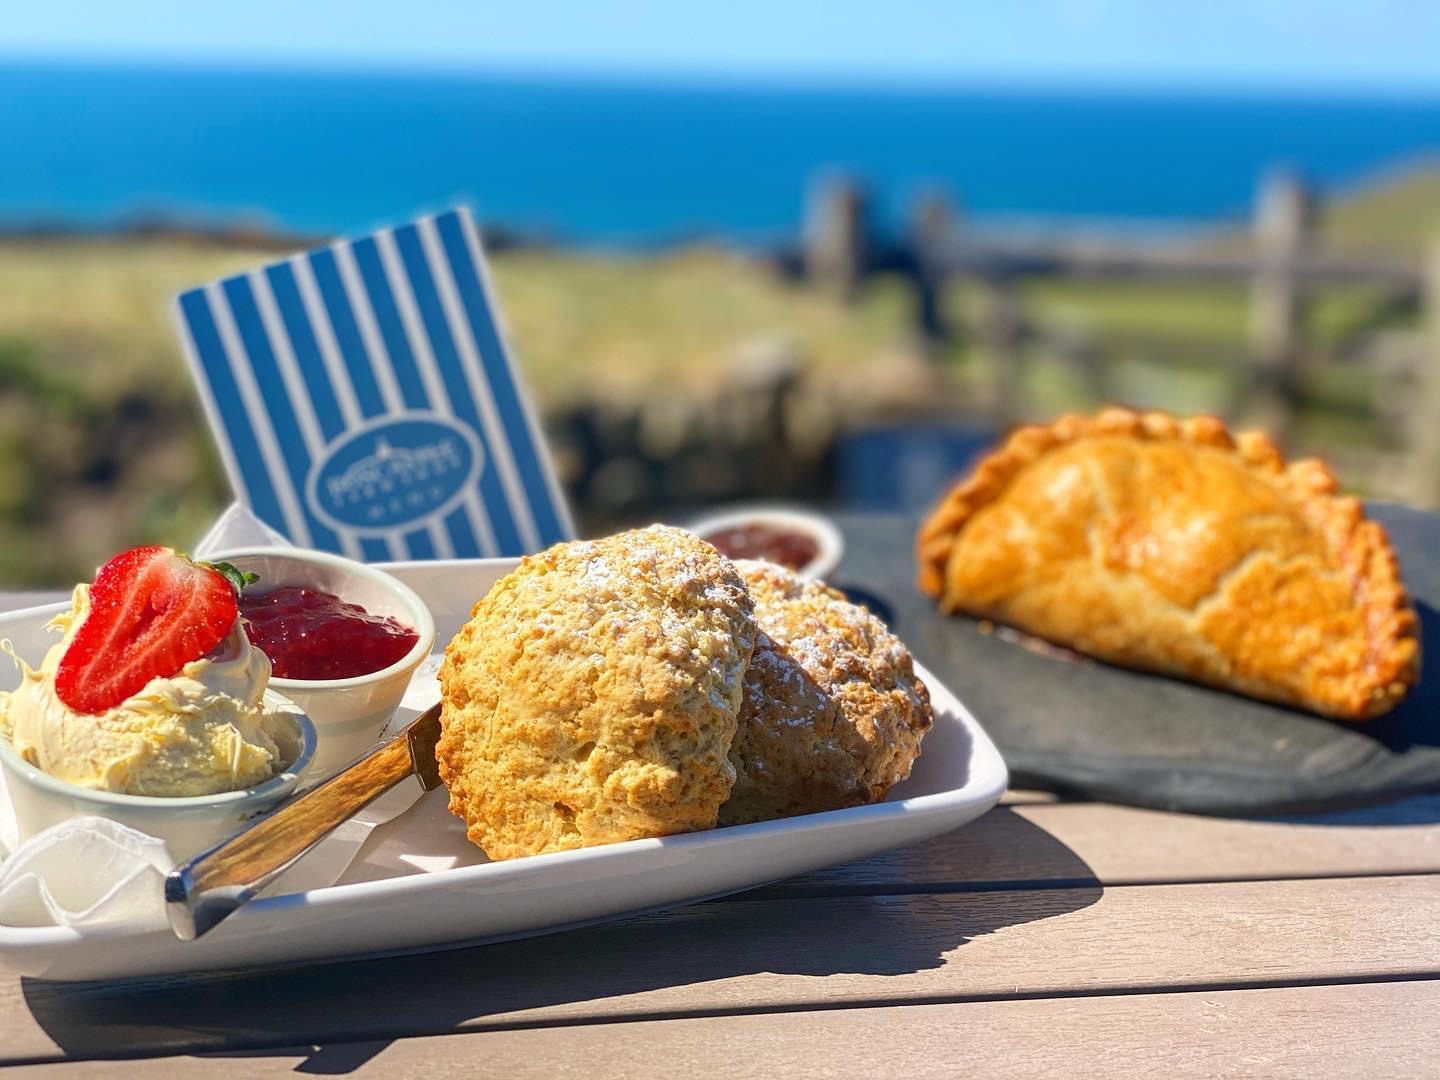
[(765, 434)]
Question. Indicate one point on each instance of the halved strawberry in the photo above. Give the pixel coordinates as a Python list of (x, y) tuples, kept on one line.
[(151, 612)]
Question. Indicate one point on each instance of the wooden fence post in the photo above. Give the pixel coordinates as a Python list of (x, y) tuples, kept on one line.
[(1002, 337), (933, 229), (1284, 216), (1423, 481), (837, 236)]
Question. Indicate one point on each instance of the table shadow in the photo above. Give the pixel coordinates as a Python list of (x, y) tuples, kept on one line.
[(892, 915)]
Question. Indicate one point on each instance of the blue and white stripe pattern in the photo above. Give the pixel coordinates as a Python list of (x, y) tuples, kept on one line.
[(365, 401)]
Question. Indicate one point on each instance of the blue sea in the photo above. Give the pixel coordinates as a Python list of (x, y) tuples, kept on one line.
[(613, 162)]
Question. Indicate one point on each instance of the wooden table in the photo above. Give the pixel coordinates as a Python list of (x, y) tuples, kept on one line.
[(1063, 938)]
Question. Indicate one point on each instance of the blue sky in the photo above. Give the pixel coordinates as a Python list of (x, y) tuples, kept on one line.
[(1378, 45)]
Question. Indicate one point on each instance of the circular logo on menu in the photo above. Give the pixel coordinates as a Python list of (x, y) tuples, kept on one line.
[(394, 472)]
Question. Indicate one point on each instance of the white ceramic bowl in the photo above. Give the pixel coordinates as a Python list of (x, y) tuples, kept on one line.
[(829, 542), (188, 824), (349, 714)]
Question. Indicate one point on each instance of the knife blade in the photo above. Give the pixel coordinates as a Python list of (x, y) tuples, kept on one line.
[(212, 885)]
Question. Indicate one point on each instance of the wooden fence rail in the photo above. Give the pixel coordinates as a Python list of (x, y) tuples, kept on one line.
[(1280, 266)]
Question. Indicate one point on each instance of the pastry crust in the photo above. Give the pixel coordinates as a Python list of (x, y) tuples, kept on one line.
[(592, 697), (1174, 546), (833, 712)]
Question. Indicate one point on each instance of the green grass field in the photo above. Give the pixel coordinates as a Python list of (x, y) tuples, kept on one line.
[(102, 443)]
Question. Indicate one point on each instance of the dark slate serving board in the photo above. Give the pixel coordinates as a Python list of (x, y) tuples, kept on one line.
[(1088, 729)]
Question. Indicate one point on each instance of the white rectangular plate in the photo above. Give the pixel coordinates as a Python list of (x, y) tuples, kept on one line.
[(397, 897)]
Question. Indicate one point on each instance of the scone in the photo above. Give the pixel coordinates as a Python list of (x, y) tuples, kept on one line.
[(1173, 546), (833, 713), (592, 697)]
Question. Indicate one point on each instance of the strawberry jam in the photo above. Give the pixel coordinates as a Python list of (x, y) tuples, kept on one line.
[(309, 634), (777, 545)]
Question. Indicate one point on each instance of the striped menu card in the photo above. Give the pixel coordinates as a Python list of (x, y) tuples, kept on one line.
[(365, 402)]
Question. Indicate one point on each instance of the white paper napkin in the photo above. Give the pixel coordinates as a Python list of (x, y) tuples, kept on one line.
[(89, 872), (237, 527), (85, 871)]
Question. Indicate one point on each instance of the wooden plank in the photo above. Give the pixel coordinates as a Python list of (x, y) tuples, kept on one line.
[(764, 956), (1116, 845), (1016, 796), (1358, 1030), (1123, 844)]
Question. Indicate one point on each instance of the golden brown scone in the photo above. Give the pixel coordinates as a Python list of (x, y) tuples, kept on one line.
[(833, 712), (1173, 546), (593, 694)]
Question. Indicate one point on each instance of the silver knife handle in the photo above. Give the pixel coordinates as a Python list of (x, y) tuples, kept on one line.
[(199, 894)]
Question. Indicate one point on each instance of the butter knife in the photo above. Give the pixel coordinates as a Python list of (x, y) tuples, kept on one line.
[(203, 891)]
